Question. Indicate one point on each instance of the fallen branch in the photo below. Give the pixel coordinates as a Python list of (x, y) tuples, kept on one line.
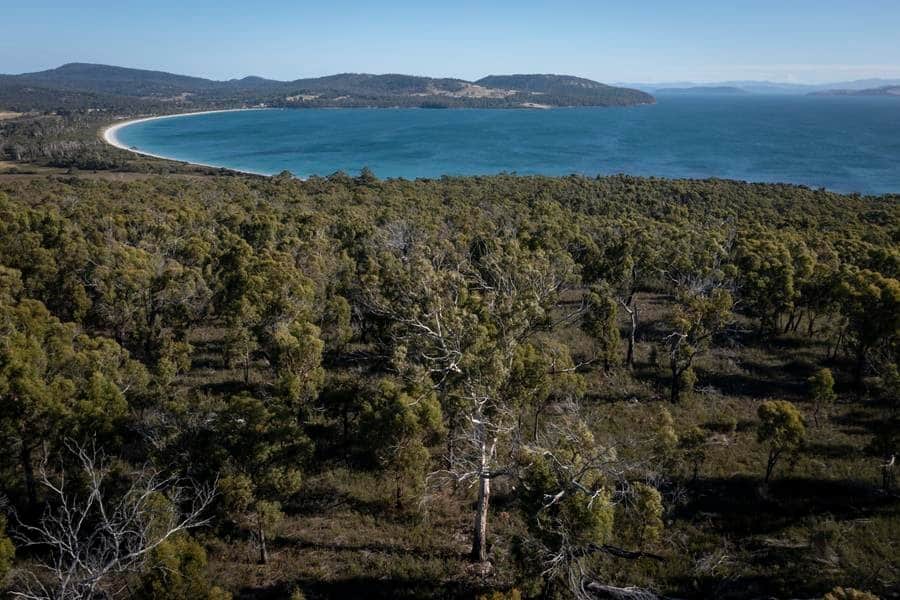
[(608, 592), (622, 553)]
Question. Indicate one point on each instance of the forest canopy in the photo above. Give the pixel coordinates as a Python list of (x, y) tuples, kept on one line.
[(518, 386)]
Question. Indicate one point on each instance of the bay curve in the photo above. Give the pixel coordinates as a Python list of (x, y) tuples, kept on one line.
[(842, 144)]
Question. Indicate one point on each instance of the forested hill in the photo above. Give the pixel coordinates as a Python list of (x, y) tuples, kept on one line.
[(566, 86), (109, 87)]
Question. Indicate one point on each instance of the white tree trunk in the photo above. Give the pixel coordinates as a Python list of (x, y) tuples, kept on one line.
[(479, 539), (479, 533)]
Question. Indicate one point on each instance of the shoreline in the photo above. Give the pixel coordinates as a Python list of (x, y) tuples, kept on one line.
[(108, 135)]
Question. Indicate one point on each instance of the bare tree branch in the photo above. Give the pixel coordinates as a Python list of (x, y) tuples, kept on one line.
[(90, 536)]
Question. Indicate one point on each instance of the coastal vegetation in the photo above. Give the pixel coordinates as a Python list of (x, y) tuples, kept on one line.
[(505, 386)]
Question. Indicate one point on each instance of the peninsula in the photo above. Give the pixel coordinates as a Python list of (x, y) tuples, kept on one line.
[(79, 86)]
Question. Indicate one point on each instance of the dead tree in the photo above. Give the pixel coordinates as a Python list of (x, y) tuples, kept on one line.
[(90, 537)]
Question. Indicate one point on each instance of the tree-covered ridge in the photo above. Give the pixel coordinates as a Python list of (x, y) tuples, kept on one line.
[(107, 87), (540, 387), (565, 86), (115, 80)]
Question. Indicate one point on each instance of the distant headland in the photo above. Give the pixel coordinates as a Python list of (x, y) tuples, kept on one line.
[(80, 86), (888, 90)]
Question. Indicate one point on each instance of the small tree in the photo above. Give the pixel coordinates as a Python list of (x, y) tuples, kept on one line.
[(565, 488), (703, 309), (240, 344), (886, 442), (871, 304), (600, 322), (821, 392), (781, 425), (297, 359), (665, 439), (400, 425), (265, 453), (646, 514), (693, 448)]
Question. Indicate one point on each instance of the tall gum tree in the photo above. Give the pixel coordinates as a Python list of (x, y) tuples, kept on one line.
[(463, 321)]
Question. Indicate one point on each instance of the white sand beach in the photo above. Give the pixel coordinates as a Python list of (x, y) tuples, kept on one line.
[(108, 134)]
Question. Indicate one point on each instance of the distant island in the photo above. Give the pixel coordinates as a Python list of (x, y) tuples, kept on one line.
[(81, 86), (889, 90), (765, 87), (703, 89)]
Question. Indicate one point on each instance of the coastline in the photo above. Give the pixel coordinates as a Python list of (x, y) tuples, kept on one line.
[(108, 135)]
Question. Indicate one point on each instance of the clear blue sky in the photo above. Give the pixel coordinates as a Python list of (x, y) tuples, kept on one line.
[(649, 41)]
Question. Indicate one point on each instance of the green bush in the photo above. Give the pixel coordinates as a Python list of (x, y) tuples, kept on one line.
[(7, 551), (178, 572)]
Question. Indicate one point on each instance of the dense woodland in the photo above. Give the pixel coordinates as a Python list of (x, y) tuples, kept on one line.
[(508, 387)]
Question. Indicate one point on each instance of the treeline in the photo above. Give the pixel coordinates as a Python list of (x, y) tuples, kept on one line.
[(422, 329), (71, 140), (332, 99)]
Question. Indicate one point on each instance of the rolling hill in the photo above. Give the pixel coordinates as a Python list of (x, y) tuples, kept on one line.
[(104, 86)]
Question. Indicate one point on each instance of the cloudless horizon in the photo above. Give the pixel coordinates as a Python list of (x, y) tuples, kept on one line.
[(802, 41)]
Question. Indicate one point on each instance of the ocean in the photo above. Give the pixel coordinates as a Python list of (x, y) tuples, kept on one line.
[(844, 144)]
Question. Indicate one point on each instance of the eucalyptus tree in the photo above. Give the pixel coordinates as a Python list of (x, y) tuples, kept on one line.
[(261, 451), (600, 322), (702, 310), (55, 381), (462, 318), (871, 303), (764, 270), (176, 570), (400, 424), (269, 307), (625, 255), (579, 497), (543, 374), (781, 427), (821, 391)]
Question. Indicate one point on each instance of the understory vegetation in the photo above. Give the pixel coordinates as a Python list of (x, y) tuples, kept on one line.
[(506, 387)]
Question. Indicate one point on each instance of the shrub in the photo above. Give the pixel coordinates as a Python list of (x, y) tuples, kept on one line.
[(178, 572), (7, 551), (840, 593)]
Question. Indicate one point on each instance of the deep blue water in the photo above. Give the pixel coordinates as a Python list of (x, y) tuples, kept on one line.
[(846, 144)]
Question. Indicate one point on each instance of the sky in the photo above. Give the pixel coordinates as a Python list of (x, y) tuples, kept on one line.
[(802, 41)]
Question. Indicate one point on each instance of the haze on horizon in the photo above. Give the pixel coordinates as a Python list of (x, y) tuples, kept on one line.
[(803, 41)]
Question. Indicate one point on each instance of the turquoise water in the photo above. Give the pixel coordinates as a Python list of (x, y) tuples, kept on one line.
[(846, 144)]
